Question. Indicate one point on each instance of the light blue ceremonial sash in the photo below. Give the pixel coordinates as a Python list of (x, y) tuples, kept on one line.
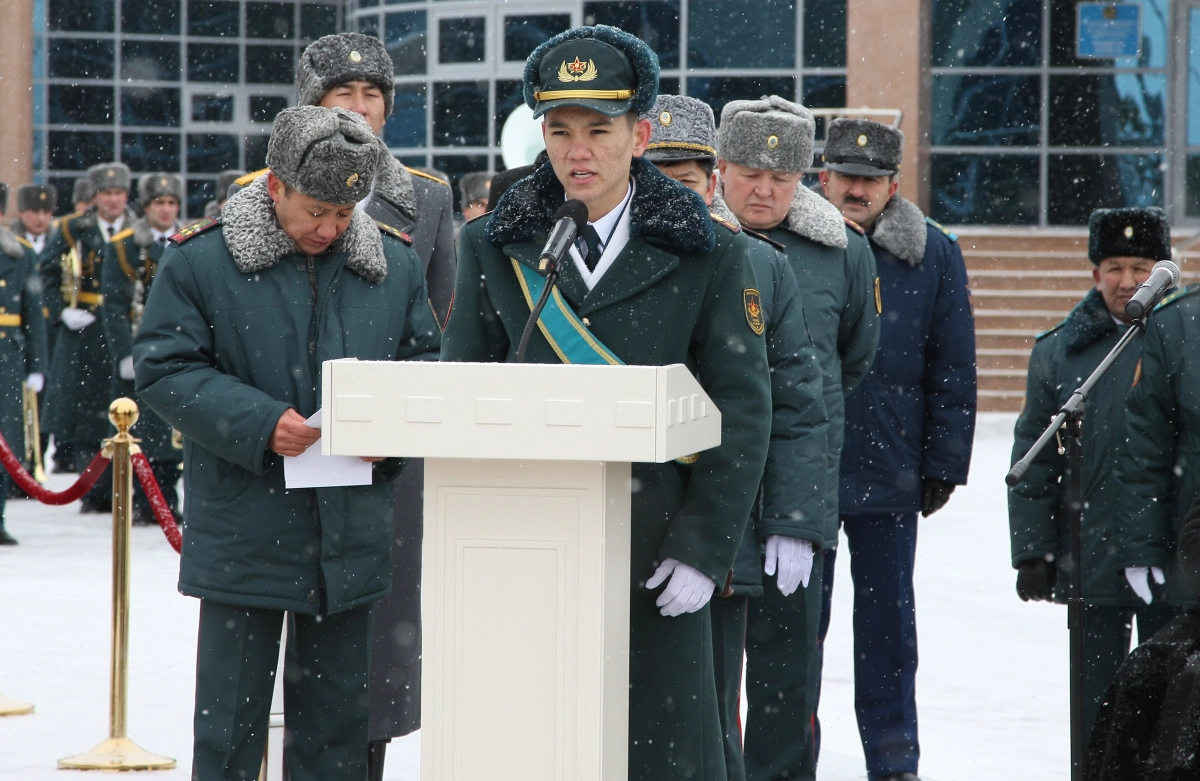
[(568, 337)]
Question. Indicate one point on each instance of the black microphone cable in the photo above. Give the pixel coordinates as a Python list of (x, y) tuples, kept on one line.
[(569, 220)]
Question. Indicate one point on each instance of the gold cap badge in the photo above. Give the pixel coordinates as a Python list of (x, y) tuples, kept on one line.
[(862, 140), (43, 196), (111, 173), (355, 57), (1129, 231), (577, 71), (665, 119), (772, 142), (353, 180)]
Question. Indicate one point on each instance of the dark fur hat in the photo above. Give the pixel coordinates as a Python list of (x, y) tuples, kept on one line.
[(110, 175), (326, 153), (337, 59), (224, 180), (860, 147), (681, 128), (37, 196), (152, 186), (641, 56), (82, 190), (1134, 233)]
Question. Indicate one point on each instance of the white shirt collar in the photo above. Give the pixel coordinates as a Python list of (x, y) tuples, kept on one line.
[(616, 223), (115, 225), (159, 235), (38, 241)]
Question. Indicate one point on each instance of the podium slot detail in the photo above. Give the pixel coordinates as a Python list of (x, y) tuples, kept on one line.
[(635, 414), (423, 409), (495, 412), (356, 408), (564, 412)]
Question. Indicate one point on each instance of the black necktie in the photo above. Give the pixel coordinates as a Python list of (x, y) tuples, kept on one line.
[(162, 241), (110, 230), (592, 240)]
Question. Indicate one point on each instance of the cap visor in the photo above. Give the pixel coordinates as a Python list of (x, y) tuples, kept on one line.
[(667, 155), (859, 169), (609, 108)]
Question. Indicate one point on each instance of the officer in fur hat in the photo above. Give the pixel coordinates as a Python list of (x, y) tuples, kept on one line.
[(130, 261), (224, 181), (35, 212), (924, 376), (242, 314), (82, 193), (81, 373), (764, 147), (654, 281), (1061, 360)]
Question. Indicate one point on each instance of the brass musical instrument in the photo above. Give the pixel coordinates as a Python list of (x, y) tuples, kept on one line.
[(138, 305), (72, 275), (33, 433)]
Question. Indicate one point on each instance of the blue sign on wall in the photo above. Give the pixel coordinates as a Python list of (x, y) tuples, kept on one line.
[(1108, 30)]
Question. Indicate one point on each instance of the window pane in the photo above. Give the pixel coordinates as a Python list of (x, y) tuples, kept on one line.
[(200, 192), (714, 24), (824, 91), (455, 166), (367, 3), (213, 17), (984, 189), (264, 108), (413, 161), (461, 40), (150, 151), (74, 151), (317, 21), (406, 125), (85, 16), (983, 33), (152, 17), (211, 153), (668, 85), (1076, 185), (1193, 185), (80, 58), (368, 25), (256, 152), (509, 95), (270, 64), (270, 20), (1193, 78), (523, 34), (1063, 24), (986, 110), (72, 105), (825, 34), (150, 106), (213, 62), (654, 21), (404, 37), (149, 61), (64, 184), (213, 108), (460, 113), (1125, 109), (717, 92)]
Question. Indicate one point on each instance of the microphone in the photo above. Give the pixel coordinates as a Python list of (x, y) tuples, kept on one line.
[(569, 221), (1164, 277)]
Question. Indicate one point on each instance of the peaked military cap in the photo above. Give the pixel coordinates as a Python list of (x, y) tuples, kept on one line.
[(860, 147), (108, 175), (1133, 233), (681, 128), (224, 180), (152, 186), (600, 68), (32, 197), (82, 190), (770, 133), (337, 59), (326, 153)]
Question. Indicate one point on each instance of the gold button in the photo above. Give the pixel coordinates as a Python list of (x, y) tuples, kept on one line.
[(772, 142), (587, 322), (355, 57), (664, 118), (862, 140), (353, 180), (1129, 231), (3, 283)]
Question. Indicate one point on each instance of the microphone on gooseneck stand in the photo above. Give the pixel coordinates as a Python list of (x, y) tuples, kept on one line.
[(569, 221), (1164, 277)]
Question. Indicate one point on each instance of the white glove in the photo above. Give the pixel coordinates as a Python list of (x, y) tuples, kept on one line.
[(1139, 581), (35, 381), (77, 319), (689, 589), (792, 557), (125, 368)]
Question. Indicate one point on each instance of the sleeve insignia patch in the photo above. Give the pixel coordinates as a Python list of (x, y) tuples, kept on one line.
[(754, 313), (878, 298), (395, 233), (195, 229)]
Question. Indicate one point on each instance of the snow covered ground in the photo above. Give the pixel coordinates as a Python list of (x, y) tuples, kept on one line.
[(992, 686)]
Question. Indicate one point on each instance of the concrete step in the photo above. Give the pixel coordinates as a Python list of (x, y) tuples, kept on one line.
[(1036, 320), (1058, 301), (992, 358), (1001, 279), (1012, 380)]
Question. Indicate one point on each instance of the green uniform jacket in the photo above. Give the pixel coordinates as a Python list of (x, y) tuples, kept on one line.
[(675, 294), (1037, 512), (1162, 435), (835, 268), (23, 346), (132, 257), (233, 335), (79, 385)]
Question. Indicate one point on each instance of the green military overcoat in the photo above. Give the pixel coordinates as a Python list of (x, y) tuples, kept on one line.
[(22, 333), (677, 293), (231, 337)]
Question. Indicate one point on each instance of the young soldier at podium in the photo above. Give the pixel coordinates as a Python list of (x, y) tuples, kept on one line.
[(653, 281), (242, 314)]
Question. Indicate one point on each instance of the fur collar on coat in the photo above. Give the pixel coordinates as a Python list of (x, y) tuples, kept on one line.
[(1088, 321), (901, 230)]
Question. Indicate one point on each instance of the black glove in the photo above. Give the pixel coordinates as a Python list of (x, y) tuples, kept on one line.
[(934, 495), (1035, 580)]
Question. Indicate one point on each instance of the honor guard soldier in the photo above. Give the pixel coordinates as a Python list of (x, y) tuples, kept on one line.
[(909, 429), (225, 180), (242, 314), (22, 341), (81, 370), (82, 193), (1061, 360), (791, 503), (35, 212), (764, 147), (473, 194), (653, 281), (130, 261)]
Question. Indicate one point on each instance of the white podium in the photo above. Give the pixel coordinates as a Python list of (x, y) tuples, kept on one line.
[(525, 584)]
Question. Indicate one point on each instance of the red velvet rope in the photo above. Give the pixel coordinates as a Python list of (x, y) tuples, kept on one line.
[(30, 486), (162, 511)]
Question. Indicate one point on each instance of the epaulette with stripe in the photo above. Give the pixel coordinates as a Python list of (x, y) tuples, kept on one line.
[(22, 240), (732, 226), (854, 226), (1182, 292), (122, 235), (246, 179), (195, 229), (949, 234), (766, 238), (424, 175), (395, 233)]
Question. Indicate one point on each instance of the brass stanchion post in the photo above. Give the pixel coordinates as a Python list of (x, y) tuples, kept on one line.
[(11, 707), (119, 752)]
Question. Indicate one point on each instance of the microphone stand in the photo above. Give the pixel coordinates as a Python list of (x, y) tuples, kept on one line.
[(551, 280), (1070, 417)]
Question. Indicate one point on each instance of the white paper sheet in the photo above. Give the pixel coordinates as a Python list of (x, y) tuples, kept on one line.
[(310, 469)]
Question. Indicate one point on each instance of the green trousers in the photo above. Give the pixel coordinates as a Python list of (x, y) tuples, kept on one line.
[(324, 693), (1107, 632)]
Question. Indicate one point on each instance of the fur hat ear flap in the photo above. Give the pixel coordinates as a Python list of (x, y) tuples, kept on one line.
[(1132, 233)]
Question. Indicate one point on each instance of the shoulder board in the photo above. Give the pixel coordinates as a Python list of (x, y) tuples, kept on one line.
[(395, 233), (732, 226), (122, 235), (1179, 293), (246, 179), (22, 240), (477, 217), (766, 238), (195, 229), (1044, 334), (949, 234), (424, 175), (854, 226)]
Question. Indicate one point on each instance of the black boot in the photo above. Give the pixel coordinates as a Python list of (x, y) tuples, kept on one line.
[(8, 539), (375, 754), (905, 776)]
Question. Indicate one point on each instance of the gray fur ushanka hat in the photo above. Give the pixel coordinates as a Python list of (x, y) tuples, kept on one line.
[(152, 186), (107, 175), (860, 147), (770, 133), (329, 154), (33, 197), (1132, 233), (82, 190), (681, 128), (627, 65), (337, 59)]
